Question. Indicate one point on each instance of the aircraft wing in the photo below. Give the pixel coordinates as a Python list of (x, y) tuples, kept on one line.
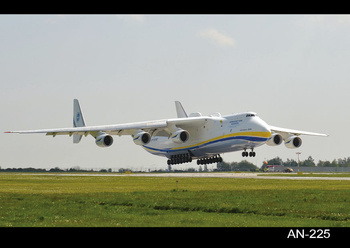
[(165, 127), (120, 129), (285, 132)]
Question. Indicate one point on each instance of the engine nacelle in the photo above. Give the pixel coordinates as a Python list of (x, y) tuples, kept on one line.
[(180, 136), (142, 138), (293, 142), (104, 140), (276, 139)]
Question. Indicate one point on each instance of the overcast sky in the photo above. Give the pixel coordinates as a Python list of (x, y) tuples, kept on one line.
[(293, 70)]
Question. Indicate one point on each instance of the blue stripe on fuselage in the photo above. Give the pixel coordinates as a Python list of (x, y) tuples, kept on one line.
[(248, 138)]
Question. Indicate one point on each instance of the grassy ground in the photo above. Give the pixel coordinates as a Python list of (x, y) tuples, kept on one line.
[(306, 174), (43, 200)]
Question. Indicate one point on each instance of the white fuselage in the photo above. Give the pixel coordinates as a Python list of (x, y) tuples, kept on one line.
[(218, 134)]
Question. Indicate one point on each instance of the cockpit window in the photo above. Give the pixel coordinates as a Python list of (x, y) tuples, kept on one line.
[(250, 115)]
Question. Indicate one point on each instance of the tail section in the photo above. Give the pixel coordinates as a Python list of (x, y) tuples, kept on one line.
[(181, 113), (78, 120)]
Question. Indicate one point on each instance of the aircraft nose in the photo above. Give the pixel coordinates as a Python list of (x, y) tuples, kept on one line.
[(267, 129), (264, 127)]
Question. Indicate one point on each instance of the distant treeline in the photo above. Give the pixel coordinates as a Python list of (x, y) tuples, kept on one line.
[(244, 165), (56, 169), (310, 162), (77, 169)]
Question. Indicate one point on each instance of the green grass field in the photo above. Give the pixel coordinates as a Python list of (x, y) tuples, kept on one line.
[(306, 174), (67, 201)]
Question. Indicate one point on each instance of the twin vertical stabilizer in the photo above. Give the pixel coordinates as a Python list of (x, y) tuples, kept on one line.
[(181, 113), (78, 120)]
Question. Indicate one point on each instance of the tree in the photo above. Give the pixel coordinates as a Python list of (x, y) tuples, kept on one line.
[(290, 163), (309, 162), (223, 166), (324, 163), (236, 166), (245, 165), (56, 169), (345, 162), (334, 163), (275, 161)]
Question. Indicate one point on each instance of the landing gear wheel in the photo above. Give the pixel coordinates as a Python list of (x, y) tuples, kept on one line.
[(250, 154), (244, 154), (179, 159), (210, 160)]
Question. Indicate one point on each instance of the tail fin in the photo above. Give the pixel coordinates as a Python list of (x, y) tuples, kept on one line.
[(78, 120), (181, 113)]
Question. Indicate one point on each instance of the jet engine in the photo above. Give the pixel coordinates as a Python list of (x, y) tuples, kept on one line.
[(276, 139), (104, 140), (180, 136), (293, 142), (141, 138)]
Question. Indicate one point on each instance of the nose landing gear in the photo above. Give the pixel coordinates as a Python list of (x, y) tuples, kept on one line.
[(250, 154)]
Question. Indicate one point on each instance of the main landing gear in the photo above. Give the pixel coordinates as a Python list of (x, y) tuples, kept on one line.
[(186, 158), (210, 160), (246, 154), (180, 159)]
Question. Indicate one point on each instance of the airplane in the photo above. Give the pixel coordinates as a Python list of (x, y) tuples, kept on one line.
[(187, 137)]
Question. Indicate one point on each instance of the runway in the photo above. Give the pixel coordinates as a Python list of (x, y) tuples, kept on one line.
[(237, 175), (201, 175)]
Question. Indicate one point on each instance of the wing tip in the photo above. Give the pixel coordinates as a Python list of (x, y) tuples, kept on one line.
[(8, 132), (321, 134)]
